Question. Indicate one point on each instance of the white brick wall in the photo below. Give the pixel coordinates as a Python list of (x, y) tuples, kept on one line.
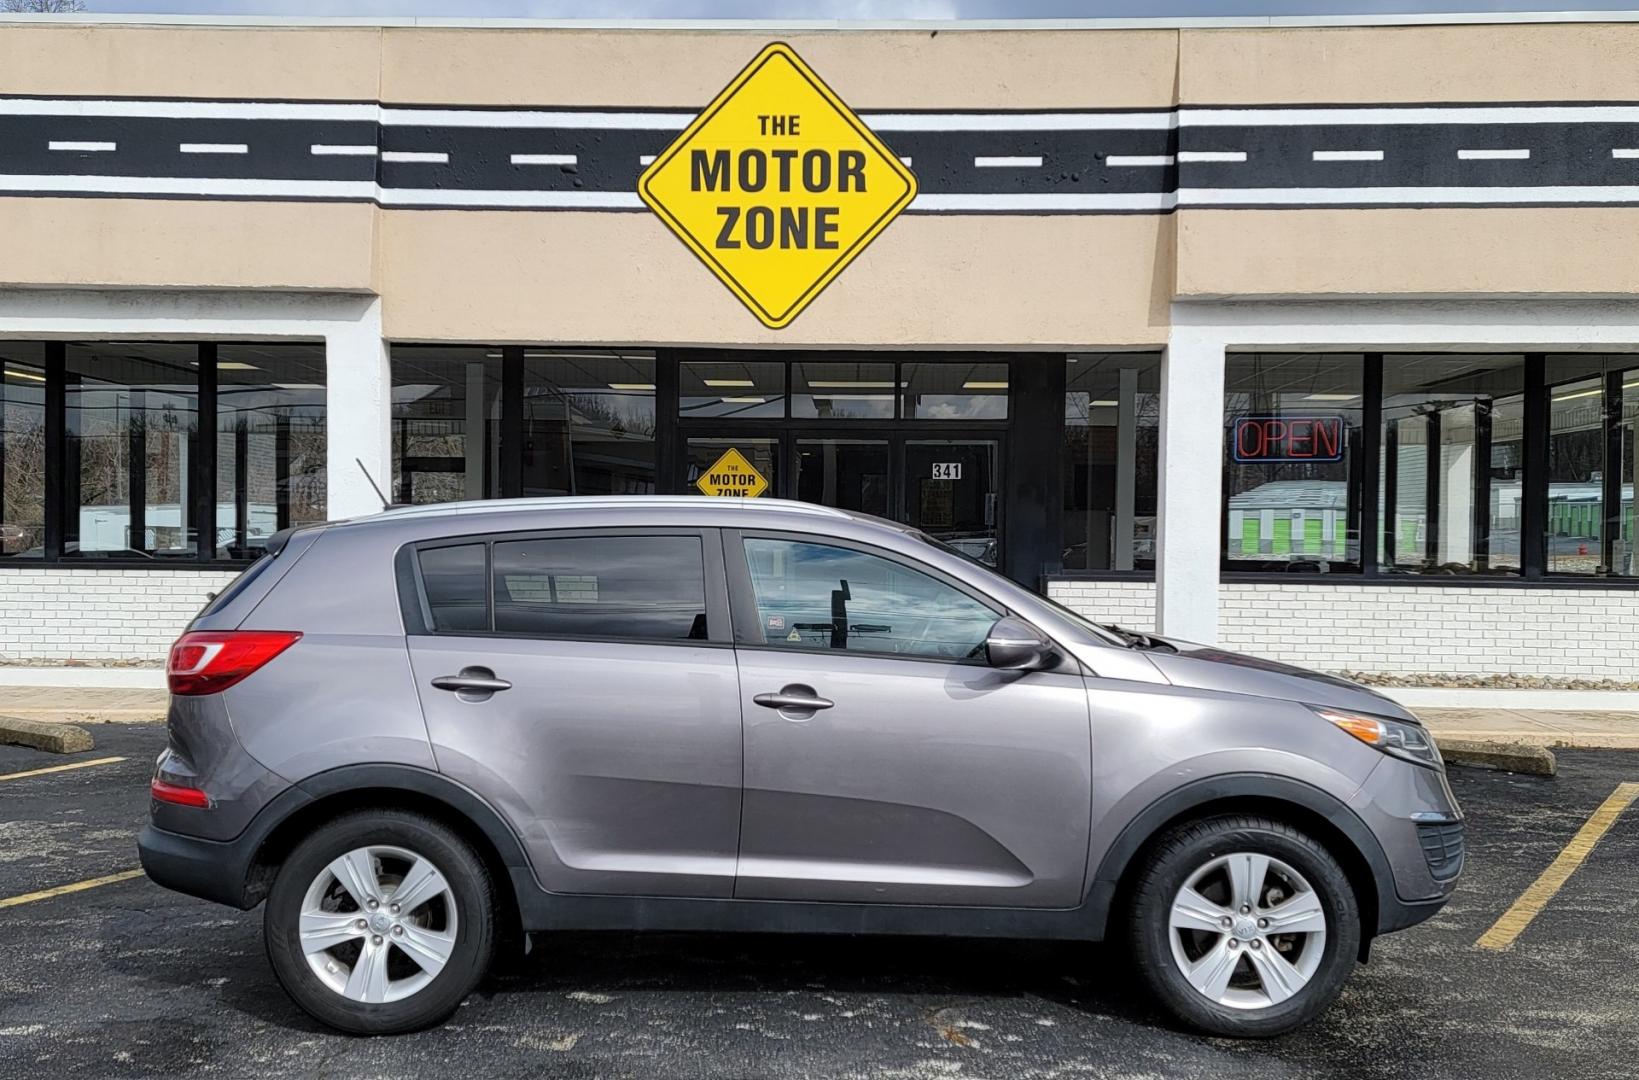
[(74, 613), (64, 613), (1451, 630), (1125, 603)]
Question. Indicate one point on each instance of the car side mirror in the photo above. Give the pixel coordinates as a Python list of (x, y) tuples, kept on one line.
[(1014, 645)]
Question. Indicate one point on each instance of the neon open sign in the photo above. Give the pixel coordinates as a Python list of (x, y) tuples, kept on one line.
[(1263, 439)]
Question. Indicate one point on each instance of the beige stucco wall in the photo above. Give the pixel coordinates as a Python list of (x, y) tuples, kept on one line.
[(1408, 252), (168, 243), (1393, 64), (906, 69), (187, 61), (959, 281)]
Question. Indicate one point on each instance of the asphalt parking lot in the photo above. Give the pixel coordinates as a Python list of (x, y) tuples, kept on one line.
[(125, 979)]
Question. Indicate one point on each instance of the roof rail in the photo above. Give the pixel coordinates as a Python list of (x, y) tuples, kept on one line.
[(602, 502)]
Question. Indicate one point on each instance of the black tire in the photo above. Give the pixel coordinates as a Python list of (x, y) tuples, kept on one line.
[(1170, 864), (469, 884)]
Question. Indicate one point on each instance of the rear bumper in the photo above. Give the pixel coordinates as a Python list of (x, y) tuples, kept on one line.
[(216, 870)]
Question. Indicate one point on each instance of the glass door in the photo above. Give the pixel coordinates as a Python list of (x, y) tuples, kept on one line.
[(950, 493), (850, 473)]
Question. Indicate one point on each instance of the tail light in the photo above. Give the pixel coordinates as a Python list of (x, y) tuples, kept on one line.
[(207, 662), (179, 795)]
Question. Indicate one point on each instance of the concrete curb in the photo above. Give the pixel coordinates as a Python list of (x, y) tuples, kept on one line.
[(1554, 740), (93, 716), (38, 735), (1509, 756)]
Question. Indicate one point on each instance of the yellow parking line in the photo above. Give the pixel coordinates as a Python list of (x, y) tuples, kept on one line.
[(62, 768), (61, 890), (1534, 899)]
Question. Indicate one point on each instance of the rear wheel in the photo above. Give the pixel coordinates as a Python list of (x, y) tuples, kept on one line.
[(380, 922), (1243, 926)]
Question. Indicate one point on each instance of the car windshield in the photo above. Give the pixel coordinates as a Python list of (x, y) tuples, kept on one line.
[(1100, 631)]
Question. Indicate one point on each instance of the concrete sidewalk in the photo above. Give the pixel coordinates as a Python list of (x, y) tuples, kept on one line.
[(83, 705), (1536, 727)]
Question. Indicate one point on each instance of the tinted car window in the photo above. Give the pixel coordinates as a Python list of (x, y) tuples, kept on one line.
[(453, 578), (237, 586), (650, 588), (814, 596)]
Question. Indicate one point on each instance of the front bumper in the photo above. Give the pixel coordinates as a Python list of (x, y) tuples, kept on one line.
[(215, 870)]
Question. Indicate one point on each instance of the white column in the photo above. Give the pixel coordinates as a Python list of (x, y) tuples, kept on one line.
[(1191, 465), (1454, 457), (358, 414)]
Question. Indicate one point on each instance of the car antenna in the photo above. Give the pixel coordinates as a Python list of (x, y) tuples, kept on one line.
[(385, 505)]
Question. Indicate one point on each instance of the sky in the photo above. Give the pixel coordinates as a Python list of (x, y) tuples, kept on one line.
[(827, 9)]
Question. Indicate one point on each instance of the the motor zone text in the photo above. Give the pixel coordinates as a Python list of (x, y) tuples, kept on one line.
[(754, 170), (731, 483)]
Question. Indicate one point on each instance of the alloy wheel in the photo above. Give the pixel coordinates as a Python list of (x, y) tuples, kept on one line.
[(378, 924), (1247, 930)]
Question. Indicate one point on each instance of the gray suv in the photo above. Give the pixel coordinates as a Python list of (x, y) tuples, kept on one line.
[(419, 734)]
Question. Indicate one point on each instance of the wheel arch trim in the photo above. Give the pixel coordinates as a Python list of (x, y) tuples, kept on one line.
[(1200, 794), (316, 790)]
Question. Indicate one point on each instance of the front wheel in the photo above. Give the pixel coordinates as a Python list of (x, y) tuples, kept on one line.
[(1243, 926), (380, 922)]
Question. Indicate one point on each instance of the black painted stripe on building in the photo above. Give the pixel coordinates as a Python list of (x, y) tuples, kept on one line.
[(1446, 159)]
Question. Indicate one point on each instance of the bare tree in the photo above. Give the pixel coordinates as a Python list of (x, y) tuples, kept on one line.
[(45, 7)]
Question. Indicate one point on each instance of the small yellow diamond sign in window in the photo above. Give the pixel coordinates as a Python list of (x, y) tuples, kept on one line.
[(777, 186), (732, 475)]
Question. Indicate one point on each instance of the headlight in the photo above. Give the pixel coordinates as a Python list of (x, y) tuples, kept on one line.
[(1409, 741)]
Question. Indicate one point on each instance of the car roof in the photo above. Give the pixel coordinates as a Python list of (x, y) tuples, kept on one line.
[(692, 503)]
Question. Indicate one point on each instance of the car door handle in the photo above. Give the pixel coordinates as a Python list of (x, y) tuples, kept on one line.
[(480, 680), (795, 702)]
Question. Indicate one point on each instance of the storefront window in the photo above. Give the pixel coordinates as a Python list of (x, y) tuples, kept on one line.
[(446, 423), (731, 388), (588, 422), (132, 425), (955, 391), (1112, 412), (270, 443), (1291, 481), (1452, 463), (1593, 406), (842, 391), (22, 449)]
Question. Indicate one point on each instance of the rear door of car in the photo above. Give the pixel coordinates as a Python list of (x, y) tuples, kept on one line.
[(584, 683), (886, 762)]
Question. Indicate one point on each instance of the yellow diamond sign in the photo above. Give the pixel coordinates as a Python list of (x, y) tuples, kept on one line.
[(777, 186), (732, 475)]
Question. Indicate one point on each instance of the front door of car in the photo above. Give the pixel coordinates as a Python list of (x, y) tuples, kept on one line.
[(885, 761), (585, 684)]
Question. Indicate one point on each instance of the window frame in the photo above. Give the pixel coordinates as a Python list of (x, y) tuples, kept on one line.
[(1611, 382), (1358, 480), (202, 472), (1533, 574), (747, 622), (412, 589)]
